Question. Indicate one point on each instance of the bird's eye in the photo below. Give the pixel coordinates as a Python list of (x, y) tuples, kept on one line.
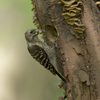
[(31, 32)]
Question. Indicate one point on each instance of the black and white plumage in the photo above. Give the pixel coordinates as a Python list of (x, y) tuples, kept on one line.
[(40, 51), (40, 55)]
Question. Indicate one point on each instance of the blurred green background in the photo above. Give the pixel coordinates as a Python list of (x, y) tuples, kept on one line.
[(21, 77)]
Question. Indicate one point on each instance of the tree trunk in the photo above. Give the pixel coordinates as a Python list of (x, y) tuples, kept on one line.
[(77, 48)]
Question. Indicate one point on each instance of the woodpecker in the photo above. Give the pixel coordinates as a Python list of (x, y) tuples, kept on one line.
[(41, 52)]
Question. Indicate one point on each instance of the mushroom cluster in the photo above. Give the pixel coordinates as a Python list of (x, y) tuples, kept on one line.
[(71, 12), (34, 16)]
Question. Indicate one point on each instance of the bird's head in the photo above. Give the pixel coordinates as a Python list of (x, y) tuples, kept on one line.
[(31, 35)]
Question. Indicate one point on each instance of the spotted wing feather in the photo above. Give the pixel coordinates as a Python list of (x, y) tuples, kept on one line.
[(41, 56)]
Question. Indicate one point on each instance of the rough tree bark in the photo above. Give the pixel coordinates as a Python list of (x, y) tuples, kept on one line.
[(77, 52)]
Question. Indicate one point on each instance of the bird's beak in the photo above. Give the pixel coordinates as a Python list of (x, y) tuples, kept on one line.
[(36, 33), (40, 31)]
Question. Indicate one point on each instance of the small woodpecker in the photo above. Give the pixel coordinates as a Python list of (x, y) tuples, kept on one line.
[(40, 51)]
